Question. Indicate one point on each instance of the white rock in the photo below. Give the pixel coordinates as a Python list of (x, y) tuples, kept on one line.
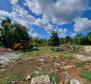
[(6, 57), (87, 48), (74, 81), (41, 80), (83, 58), (28, 77)]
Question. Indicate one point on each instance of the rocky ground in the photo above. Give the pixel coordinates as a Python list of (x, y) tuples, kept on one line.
[(6, 55), (52, 67)]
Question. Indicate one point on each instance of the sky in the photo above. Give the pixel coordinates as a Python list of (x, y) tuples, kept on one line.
[(41, 17)]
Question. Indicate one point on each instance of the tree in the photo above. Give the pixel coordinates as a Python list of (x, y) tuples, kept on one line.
[(38, 41), (79, 39), (5, 32), (89, 37), (65, 40), (11, 33), (20, 33), (54, 39)]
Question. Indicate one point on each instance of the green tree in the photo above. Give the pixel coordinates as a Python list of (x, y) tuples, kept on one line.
[(38, 41), (5, 32), (54, 39), (11, 33), (20, 33), (86, 41), (89, 37), (79, 39)]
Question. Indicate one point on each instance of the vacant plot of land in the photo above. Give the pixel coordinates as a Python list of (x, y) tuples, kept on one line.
[(61, 67)]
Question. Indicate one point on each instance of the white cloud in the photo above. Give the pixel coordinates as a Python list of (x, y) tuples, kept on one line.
[(26, 20), (41, 22), (34, 34), (72, 34), (62, 10), (4, 13), (58, 11), (33, 6), (82, 24), (62, 32), (13, 2)]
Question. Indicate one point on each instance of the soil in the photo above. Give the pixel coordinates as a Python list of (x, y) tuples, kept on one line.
[(53, 66)]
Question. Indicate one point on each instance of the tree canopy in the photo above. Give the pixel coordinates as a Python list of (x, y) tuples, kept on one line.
[(54, 39), (11, 33)]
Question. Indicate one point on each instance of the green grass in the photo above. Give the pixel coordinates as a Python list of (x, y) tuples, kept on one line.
[(42, 51), (1, 66), (11, 77), (86, 74), (82, 64), (54, 78), (67, 59)]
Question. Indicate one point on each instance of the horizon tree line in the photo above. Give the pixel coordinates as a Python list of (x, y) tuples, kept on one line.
[(12, 33)]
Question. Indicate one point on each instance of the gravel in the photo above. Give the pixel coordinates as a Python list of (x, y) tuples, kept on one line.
[(83, 57), (7, 57)]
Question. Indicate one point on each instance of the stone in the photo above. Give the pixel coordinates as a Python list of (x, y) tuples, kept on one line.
[(36, 72), (83, 57), (7, 57), (68, 67), (28, 77), (40, 80), (74, 81), (87, 48)]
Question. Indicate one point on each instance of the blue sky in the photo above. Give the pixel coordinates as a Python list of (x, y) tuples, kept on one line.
[(67, 17)]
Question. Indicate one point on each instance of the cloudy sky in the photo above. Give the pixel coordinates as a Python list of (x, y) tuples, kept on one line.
[(67, 17)]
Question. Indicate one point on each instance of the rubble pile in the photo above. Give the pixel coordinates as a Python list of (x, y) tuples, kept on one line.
[(3, 50), (87, 48), (64, 48), (41, 80), (39, 70), (67, 71), (83, 57), (6, 55)]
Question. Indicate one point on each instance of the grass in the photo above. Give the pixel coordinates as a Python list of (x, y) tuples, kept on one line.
[(86, 74), (1, 66), (42, 51), (25, 62), (82, 64), (11, 77), (54, 78)]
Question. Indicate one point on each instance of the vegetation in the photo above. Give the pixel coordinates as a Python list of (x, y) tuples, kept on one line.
[(54, 78), (89, 36), (30, 63), (40, 42), (82, 64), (54, 39), (48, 62), (86, 74), (77, 40), (11, 33), (11, 77)]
